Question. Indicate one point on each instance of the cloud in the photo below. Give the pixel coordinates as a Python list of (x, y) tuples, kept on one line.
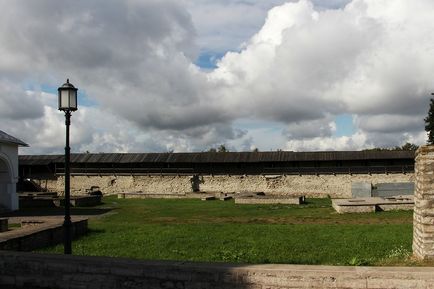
[(354, 142), (372, 59), (17, 104), (303, 65), (390, 123), (311, 129)]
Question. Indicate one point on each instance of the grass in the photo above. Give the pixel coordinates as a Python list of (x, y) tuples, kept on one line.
[(14, 225), (223, 231)]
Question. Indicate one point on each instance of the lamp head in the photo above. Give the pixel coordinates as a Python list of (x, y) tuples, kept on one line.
[(67, 97)]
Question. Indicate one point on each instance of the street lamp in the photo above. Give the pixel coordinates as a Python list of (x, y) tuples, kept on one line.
[(68, 104)]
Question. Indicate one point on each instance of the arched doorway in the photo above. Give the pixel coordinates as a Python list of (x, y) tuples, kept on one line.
[(8, 198)]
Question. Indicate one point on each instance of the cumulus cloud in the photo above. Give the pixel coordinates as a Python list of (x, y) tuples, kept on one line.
[(17, 104), (311, 129), (305, 65), (354, 142), (371, 59)]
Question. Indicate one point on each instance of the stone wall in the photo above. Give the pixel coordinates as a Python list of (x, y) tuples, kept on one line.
[(423, 217), (30, 270), (335, 186), (115, 184)]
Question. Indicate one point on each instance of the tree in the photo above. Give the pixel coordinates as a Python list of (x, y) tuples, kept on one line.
[(409, 147), (222, 149), (406, 147), (429, 123)]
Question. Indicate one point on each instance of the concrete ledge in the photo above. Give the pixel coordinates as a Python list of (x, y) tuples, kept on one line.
[(262, 199), (79, 201), (140, 195), (28, 270), (36, 202), (39, 235), (4, 224)]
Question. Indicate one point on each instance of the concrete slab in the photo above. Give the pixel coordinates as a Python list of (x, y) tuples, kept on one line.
[(270, 200), (366, 205)]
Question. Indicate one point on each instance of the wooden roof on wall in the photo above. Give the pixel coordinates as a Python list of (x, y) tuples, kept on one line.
[(217, 157)]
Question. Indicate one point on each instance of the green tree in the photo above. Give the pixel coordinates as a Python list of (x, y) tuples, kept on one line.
[(406, 147), (429, 123), (409, 147), (222, 149)]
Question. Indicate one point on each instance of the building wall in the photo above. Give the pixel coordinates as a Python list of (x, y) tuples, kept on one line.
[(9, 178), (335, 186)]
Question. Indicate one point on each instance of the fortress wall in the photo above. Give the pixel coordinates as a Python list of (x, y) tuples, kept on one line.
[(116, 184), (335, 186)]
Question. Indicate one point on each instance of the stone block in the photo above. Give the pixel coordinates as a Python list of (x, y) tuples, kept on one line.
[(257, 200), (343, 209), (391, 207), (4, 224), (393, 189), (361, 190)]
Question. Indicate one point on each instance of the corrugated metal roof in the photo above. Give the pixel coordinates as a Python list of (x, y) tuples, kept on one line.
[(215, 157), (7, 138)]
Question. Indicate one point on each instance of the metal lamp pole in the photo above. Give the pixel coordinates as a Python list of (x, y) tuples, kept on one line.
[(68, 104), (67, 221)]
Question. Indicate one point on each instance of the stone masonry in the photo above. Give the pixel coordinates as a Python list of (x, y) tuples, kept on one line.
[(423, 217), (20, 270), (335, 186)]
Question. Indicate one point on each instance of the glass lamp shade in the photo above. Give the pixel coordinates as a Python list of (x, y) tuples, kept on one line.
[(67, 97)]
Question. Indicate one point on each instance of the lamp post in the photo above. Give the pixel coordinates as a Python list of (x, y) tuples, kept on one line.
[(68, 104)]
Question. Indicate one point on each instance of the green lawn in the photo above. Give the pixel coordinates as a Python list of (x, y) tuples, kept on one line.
[(222, 231)]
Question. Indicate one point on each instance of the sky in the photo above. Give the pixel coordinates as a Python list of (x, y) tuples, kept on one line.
[(189, 75)]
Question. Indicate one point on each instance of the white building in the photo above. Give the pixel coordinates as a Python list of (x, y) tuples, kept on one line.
[(9, 170)]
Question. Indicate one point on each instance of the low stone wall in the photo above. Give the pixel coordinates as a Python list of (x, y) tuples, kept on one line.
[(42, 235), (335, 186), (27, 270)]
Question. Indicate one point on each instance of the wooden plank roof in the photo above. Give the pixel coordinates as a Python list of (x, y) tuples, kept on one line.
[(217, 157)]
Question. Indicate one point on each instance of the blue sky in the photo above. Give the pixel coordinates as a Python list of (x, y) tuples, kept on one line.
[(208, 59), (344, 125)]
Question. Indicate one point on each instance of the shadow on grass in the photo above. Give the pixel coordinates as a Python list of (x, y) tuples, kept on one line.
[(56, 211), (93, 231)]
